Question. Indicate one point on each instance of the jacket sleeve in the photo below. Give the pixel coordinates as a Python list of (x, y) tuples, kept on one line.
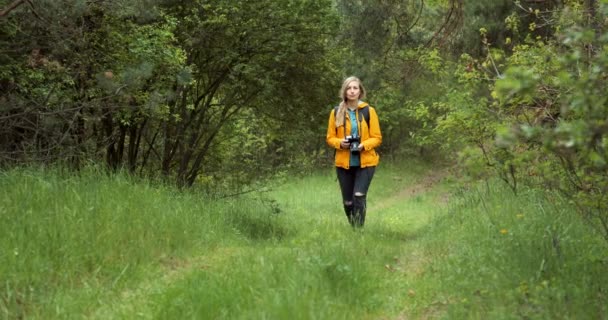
[(331, 138), (375, 136)]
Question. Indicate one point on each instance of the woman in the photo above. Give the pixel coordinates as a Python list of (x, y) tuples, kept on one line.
[(354, 131)]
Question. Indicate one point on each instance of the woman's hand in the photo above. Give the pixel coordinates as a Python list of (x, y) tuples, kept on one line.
[(344, 144)]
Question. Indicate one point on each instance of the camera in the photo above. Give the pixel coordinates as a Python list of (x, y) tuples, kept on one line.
[(354, 144)]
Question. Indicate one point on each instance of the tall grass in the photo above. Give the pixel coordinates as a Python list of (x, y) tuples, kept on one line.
[(90, 244), (92, 234), (501, 256), (101, 246), (324, 270)]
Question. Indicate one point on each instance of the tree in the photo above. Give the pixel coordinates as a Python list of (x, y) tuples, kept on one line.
[(251, 55), (149, 86)]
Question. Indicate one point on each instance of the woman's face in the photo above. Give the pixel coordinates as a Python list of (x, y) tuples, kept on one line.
[(353, 91)]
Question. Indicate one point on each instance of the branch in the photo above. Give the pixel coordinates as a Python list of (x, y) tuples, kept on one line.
[(34, 10), (451, 22), (401, 34), (11, 7)]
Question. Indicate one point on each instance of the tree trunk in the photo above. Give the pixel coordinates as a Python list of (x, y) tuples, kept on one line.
[(135, 134)]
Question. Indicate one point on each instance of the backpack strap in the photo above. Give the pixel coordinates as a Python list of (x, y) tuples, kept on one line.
[(365, 113)]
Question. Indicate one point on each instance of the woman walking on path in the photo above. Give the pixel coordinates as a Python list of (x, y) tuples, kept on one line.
[(354, 131)]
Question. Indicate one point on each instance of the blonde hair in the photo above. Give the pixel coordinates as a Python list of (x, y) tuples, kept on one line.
[(342, 107)]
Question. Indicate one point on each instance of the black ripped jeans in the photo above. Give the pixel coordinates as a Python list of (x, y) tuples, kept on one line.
[(354, 183)]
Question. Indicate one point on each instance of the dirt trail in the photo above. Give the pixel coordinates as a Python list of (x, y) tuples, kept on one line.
[(413, 262), (425, 184)]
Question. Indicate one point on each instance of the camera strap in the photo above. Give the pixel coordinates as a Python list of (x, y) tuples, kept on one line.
[(344, 126)]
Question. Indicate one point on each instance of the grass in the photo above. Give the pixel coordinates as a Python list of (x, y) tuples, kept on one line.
[(75, 238), (100, 246), (500, 256)]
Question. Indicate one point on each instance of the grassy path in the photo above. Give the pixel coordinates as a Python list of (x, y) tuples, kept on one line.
[(311, 265)]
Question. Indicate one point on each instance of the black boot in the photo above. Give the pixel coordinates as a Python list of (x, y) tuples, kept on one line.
[(348, 209), (359, 210)]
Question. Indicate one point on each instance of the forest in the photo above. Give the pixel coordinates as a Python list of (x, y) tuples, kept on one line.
[(147, 144)]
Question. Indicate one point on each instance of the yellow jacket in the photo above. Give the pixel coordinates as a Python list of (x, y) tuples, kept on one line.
[(370, 138)]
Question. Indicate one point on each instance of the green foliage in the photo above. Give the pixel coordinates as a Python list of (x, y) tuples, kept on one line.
[(491, 15), (241, 57), (149, 86), (534, 105), (223, 94), (87, 71), (558, 110)]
